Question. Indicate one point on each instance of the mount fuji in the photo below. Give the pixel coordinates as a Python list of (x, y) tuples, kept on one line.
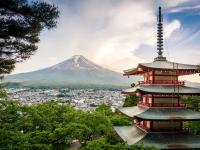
[(77, 71)]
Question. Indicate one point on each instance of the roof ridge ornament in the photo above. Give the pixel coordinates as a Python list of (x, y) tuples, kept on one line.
[(160, 37)]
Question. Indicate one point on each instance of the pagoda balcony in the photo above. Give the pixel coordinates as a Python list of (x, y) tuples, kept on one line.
[(171, 129), (174, 129), (162, 82), (180, 105)]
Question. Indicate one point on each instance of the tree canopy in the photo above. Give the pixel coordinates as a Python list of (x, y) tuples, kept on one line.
[(193, 103), (21, 22), (53, 126), (131, 100)]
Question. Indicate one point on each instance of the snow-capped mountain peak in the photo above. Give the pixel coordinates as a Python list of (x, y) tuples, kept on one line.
[(77, 62)]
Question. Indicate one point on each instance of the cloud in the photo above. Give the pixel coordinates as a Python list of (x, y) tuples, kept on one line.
[(174, 3), (184, 8), (106, 31), (171, 27), (52, 59)]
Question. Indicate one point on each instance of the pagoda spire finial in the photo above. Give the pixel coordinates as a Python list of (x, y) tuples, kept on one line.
[(160, 37)]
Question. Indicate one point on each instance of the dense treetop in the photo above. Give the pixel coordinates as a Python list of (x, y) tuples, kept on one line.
[(131, 100), (53, 126), (193, 103)]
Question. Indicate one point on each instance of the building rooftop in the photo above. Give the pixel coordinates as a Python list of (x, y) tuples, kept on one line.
[(180, 114), (131, 111), (179, 140), (161, 140), (130, 134), (163, 89), (182, 69), (160, 113)]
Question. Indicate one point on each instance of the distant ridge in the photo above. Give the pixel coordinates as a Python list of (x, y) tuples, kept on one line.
[(77, 71)]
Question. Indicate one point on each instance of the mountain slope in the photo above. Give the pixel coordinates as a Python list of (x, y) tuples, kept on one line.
[(76, 71)]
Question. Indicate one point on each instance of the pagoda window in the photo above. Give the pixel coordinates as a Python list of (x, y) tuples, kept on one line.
[(169, 73), (165, 78), (167, 101), (167, 126)]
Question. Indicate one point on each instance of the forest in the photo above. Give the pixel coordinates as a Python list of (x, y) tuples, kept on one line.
[(54, 126)]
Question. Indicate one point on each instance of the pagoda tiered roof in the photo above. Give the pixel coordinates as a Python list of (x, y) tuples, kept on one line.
[(181, 69), (130, 134), (131, 111), (180, 114), (161, 140), (151, 113), (179, 140), (163, 89)]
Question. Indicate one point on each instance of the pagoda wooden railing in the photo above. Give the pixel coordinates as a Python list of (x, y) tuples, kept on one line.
[(170, 129), (182, 105), (168, 105), (162, 82)]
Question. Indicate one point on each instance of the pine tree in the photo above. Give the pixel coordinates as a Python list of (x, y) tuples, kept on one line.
[(21, 22), (6, 65)]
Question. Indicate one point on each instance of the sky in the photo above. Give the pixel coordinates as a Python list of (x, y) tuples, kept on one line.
[(119, 34)]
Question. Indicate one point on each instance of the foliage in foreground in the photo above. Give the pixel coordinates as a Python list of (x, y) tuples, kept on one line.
[(21, 22), (131, 100), (51, 126), (193, 103), (101, 144)]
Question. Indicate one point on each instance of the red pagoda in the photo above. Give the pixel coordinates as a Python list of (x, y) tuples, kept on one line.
[(159, 115)]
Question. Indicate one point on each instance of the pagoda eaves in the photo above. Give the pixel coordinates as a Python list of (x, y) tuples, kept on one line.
[(162, 140), (164, 113), (162, 89), (180, 69)]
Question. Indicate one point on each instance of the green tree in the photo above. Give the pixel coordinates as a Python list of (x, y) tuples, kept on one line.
[(116, 119), (3, 93), (6, 65), (52, 126), (194, 126), (192, 102), (120, 120), (21, 22), (131, 100), (198, 66), (105, 109), (102, 144)]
